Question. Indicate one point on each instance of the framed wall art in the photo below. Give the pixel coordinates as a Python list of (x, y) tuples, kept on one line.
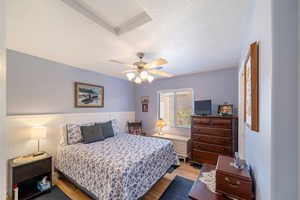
[(144, 107), (145, 103), (88, 95), (251, 71), (145, 100)]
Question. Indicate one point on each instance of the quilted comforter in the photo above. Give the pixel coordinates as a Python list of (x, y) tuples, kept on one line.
[(123, 167)]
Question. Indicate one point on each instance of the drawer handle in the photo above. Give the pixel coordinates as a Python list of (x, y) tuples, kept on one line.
[(232, 184)]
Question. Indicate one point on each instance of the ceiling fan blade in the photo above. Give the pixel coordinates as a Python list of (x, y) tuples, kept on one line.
[(157, 68), (157, 62), (160, 73), (127, 71), (118, 62)]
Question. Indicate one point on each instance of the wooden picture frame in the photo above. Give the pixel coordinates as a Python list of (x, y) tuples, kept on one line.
[(145, 107), (88, 95), (251, 91), (225, 110)]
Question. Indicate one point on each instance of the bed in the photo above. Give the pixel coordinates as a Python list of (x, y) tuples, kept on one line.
[(123, 167)]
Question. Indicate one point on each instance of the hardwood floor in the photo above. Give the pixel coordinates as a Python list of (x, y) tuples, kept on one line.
[(185, 170)]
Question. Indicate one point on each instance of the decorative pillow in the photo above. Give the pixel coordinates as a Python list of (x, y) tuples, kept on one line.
[(91, 133), (115, 126), (107, 129), (74, 133)]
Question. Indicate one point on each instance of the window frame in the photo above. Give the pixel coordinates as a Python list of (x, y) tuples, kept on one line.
[(174, 91)]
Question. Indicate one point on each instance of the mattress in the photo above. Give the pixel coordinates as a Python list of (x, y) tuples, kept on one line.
[(123, 167)]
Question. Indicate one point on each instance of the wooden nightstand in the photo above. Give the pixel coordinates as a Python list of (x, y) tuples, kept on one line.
[(181, 143), (236, 183), (26, 171)]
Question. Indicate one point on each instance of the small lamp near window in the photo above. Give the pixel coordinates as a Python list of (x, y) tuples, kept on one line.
[(38, 133), (160, 124)]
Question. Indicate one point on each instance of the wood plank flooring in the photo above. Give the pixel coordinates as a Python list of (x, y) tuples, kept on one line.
[(185, 170)]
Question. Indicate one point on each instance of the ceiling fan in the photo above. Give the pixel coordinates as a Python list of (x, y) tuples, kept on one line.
[(141, 71)]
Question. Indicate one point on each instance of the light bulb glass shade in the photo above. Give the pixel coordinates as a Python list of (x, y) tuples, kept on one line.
[(138, 80), (130, 75), (144, 75), (38, 132), (150, 78), (160, 123)]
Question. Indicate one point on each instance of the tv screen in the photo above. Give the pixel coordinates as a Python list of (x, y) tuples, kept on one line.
[(202, 107)]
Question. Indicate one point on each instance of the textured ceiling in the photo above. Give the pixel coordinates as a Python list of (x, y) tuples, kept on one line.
[(193, 35)]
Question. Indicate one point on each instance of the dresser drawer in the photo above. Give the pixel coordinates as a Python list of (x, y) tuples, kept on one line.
[(204, 157), (225, 141), (28, 171), (225, 150), (201, 121), (221, 123), (211, 131), (233, 186)]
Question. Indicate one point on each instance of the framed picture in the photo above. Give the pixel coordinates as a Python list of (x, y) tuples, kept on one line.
[(145, 100), (225, 110), (88, 95), (144, 107), (251, 71)]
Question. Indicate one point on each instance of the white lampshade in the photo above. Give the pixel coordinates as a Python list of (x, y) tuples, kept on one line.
[(130, 75), (144, 75), (138, 80), (150, 78), (38, 132)]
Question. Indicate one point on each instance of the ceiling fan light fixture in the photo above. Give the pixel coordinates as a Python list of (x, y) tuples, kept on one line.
[(150, 78), (130, 75), (144, 75), (138, 80)]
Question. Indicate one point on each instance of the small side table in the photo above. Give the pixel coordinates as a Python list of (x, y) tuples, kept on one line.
[(233, 182), (181, 144), (199, 190), (26, 171)]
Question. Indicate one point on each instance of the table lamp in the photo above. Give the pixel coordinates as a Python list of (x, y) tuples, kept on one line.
[(37, 133), (160, 124)]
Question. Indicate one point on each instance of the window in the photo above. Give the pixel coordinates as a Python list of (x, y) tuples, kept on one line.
[(176, 107)]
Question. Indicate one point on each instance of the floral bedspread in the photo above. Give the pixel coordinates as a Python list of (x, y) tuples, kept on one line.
[(123, 167)]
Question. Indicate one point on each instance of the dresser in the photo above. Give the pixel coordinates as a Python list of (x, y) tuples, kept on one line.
[(181, 144), (212, 136)]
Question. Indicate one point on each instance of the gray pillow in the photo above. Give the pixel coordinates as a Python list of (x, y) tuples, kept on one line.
[(107, 129), (91, 134)]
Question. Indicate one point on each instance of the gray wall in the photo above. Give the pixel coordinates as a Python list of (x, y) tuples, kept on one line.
[(3, 140), (272, 153), (284, 100), (258, 145), (220, 86), (39, 86)]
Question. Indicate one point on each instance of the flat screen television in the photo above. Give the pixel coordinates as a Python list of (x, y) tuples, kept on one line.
[(202, 107)]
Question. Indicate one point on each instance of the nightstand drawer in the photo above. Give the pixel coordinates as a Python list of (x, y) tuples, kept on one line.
[(34, 169), (233, 186), (180, 147)]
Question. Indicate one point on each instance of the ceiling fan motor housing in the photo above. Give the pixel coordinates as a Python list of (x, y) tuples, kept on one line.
[(140, 55)]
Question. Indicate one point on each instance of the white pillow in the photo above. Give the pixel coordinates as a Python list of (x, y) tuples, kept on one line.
[(115, 126), (74, 133)]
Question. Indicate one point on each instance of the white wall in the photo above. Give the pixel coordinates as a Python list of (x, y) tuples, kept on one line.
[(19, 128), (258, 145), (2, 101), (284, 100)]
